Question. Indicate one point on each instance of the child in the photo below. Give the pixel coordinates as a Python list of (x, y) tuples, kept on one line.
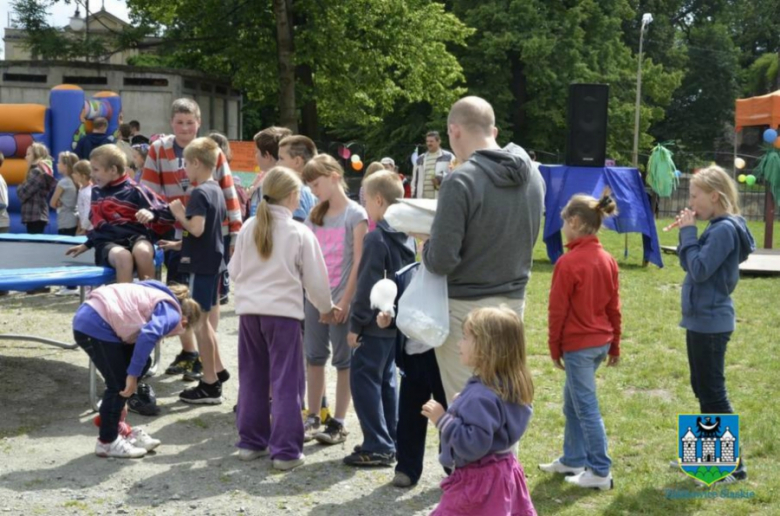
[(97, 138), (164, 174), (711, 263), (119, 239), (294, 152), (584, 328), (118, 326), (65, 196), (34, 191), (82, 176), (339, 225), (420, 380), (5, 220), (276, 260), (202, 257), (140, 151), (266, 156), (486, 420), (372, 371), (376, 166)]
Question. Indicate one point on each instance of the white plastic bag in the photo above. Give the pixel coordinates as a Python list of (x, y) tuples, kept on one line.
[(412, 215), (423, 310)]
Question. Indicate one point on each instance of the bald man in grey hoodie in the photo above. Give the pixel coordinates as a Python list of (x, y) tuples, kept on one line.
[(486, 225)]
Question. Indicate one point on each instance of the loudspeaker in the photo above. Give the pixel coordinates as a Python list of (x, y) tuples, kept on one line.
[(586, 145)]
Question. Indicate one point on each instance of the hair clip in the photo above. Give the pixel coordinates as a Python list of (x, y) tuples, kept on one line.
[(266, 198)]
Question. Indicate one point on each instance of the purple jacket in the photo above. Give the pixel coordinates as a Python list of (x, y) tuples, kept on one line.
[(478, 424)]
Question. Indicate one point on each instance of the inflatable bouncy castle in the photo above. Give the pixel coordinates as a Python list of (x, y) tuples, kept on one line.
[(59, 126)]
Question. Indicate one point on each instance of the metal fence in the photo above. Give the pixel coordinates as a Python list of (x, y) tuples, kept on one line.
[(752, 200)]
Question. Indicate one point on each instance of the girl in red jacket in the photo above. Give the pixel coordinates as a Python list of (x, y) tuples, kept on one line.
[(584, 329)]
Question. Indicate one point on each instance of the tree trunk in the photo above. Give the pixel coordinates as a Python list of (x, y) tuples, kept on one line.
[(288, 116), (309, 117), (520, 94)]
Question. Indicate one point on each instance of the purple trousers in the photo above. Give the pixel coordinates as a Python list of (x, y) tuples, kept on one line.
[(270, 358)]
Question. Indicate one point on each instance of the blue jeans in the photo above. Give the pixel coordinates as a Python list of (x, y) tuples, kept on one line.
[(585, 438), (372, 379), (706, 358)]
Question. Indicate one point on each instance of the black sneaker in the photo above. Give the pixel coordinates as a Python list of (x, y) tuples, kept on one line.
[(223, 376), (369, 459), (203, 394), (224, 300), (144, 401), (182, 363), (196, 371), (334, 433)]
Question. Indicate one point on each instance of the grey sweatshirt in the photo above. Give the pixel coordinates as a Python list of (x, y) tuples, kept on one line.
[(486, 224)]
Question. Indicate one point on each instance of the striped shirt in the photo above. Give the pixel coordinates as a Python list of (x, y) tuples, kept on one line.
[(164, 174)]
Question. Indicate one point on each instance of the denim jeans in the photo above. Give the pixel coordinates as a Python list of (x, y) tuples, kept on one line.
[(706, 358), (585, 438), (372, 379), (112, 360)]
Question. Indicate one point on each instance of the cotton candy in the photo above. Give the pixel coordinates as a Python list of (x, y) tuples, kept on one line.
[(383, 295)]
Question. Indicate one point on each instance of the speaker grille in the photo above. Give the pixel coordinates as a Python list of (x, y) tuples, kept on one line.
[(586, 144)]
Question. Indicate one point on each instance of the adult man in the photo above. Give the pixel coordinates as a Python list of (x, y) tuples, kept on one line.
[(486, 224), (430, 168), (135, 133), (95, 139)]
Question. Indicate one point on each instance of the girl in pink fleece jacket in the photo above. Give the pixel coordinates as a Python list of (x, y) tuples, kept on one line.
[(118, 326)]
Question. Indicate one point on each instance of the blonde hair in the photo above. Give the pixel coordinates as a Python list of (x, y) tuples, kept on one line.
[(298, 145), (385, 183), (39, 151), (68, 159), (499, 353), (82, 168), (278, 184), (110, 156), (203, 149), (322, 165), (590, 211), (373, 168), (715, 179), (189, 307)]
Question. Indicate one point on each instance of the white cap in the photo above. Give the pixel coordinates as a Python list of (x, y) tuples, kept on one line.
[(387, 161)]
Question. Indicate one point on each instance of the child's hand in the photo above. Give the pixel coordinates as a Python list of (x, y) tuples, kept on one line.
[(612, 360), (131, 385), (352, 340), (177, 208), (341, 312), (384, 319), (169, 245), (558, 362), (144, 216), (433, 410), (686, 218), (76, 250)]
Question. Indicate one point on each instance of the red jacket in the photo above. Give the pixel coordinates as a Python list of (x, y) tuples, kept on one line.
[(584, 309)]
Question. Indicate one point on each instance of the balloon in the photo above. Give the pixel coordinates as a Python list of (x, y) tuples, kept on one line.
[(677, 173), (777, 143), (741, 178), (739, 163), (770, 135), (357, 165), (750, 180), (355, 158)]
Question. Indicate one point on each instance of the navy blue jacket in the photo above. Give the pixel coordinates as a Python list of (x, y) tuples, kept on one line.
[(384, 253), (90, 142)]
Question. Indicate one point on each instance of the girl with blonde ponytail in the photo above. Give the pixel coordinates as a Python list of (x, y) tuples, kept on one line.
[(276, 259)]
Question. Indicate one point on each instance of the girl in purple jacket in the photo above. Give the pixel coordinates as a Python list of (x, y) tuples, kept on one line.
[(118, 327), (486, 420)]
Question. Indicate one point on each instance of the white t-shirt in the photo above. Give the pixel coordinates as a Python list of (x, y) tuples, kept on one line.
[(84, 206)]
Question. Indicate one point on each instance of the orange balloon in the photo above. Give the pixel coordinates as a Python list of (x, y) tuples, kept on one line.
[(357, 165), (777, 143)]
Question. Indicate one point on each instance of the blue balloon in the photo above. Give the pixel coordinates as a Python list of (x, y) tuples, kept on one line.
[(677, 173), (770, 135)]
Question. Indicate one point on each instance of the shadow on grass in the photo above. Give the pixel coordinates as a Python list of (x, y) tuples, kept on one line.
[(657, 500), (554, 488)]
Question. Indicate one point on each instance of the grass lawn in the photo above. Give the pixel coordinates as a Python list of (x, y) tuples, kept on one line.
[(640, 399)]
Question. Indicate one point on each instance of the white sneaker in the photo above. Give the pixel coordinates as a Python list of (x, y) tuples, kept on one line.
[(65, 291), (557, 467), (287, 465), (247, 455), (140, 439), (591, 481), (120, 448)]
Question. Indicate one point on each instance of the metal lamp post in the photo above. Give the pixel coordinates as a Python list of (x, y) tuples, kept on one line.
[(647, 18)]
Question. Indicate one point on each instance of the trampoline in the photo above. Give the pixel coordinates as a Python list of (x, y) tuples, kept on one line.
[(33, 261)]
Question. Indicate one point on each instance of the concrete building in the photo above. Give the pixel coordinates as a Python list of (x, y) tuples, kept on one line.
[(146, 93)]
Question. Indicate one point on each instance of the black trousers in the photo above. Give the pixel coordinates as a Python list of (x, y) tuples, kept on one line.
[(420, 381)]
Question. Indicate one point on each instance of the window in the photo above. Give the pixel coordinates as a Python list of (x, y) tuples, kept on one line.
[(23, 77), (145, 81)]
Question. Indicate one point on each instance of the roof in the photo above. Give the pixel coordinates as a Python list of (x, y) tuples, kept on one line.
[(689, 435), (757, 111), (727, 436)]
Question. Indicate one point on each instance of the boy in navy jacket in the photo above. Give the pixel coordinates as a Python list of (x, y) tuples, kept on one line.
[(372, 370)]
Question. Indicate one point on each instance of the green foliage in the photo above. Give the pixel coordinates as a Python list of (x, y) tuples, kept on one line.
[(761, 77), (711, 474), (769, 169)]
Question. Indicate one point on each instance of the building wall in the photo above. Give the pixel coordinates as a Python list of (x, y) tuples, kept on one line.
[(146, 93)]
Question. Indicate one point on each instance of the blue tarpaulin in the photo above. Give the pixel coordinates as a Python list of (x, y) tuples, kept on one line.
[(634, 212)]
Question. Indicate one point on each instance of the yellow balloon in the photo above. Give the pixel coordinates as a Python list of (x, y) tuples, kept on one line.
[(741, 178)]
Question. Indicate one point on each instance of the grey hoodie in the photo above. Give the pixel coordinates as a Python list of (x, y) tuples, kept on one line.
[(486, 224)]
